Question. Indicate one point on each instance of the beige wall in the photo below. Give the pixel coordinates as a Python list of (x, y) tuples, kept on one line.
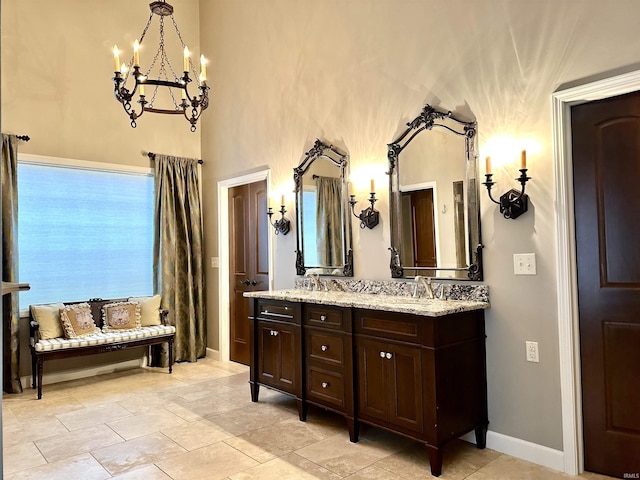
[(353, 72)]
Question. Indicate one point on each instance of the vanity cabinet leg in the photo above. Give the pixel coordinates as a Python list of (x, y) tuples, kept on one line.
[(302, 410), (435, 459), (255, 390), (354, 429), (481, 436)]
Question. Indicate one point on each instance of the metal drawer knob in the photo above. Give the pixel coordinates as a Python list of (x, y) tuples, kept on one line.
[(381, 354), (323, 318), (389, 355), (274, 333), (324, 348), (325, 384)]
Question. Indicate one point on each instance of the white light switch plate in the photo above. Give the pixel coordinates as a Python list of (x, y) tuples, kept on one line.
[(524, 263), (215, 263)]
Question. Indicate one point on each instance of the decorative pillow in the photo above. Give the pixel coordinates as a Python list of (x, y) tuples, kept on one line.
[(120, 316), (48, 316), (77, 321), (149, 309)]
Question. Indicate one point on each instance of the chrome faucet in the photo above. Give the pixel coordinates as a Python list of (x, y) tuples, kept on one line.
[(427, 286), (315, 285)]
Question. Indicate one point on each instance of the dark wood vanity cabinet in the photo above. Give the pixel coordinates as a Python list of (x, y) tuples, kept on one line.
[(277, 349), (328, 360), (419, 376), (422, 377)]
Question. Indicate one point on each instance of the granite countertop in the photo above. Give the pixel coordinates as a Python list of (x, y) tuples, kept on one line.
[(390, 303)]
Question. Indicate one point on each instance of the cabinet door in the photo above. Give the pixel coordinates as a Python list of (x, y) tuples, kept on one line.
[(279, 355), (268, 371), (288, 358), (405, 386), (373, 399)]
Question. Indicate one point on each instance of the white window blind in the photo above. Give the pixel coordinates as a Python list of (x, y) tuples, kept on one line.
[(84, 233)]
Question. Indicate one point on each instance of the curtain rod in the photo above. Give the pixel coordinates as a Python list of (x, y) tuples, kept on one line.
[(152, 156)]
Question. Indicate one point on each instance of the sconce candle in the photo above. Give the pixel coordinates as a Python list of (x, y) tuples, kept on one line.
[(282, 225), (282, 200), (373, 185), (513, 203)]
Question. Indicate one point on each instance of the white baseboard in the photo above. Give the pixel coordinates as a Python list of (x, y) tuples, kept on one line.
[(531, 452), (213, 354), (78, 373)]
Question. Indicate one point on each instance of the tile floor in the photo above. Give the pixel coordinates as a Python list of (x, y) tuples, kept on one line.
[(199, 423)]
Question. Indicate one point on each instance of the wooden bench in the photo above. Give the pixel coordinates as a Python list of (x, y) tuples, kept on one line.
[(61, 347)]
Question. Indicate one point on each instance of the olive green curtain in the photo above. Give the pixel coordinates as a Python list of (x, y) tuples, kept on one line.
[(329, 221), (10, 308), (178, 256)]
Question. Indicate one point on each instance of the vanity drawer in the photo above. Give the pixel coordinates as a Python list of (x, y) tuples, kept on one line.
[(325, 387), (325, 347), (327, 317), (278, 310), (389, 325)]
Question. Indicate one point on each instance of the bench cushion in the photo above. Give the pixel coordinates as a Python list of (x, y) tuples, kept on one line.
[(103, 338)]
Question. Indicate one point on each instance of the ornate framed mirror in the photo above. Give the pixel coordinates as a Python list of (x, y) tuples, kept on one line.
[(324, 243), (433, 198)]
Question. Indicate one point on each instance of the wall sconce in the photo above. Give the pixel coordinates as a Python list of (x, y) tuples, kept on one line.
[(369, 217), (282, 225), (513, 203)]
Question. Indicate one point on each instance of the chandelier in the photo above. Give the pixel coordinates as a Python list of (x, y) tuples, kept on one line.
[(167, 82)]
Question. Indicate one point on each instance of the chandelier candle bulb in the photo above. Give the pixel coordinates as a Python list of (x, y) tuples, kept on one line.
[(116, 58), (186, 59), (203, 69), (136, 53), (488, 165), (142, 89), (523, 160)]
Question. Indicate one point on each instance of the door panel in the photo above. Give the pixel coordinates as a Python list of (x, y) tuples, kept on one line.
[(288, 358), (406, 387), (249, 261), (373, 398), (268, 353), (606, 164)]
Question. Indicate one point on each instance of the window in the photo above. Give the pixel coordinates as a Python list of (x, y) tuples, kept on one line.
[(84, 233)]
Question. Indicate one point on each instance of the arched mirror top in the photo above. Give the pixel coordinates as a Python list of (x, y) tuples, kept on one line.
[(324, 243), (434, 199)]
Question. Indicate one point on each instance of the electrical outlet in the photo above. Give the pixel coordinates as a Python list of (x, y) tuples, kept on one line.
[(532, 352), (524, 263), (215, 263)]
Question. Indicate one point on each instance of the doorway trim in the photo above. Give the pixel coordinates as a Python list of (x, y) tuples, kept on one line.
[(566, 268), (223, 253)]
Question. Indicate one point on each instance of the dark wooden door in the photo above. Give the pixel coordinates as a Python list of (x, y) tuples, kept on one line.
[(606, 158), (248, 261), (424, 228)]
